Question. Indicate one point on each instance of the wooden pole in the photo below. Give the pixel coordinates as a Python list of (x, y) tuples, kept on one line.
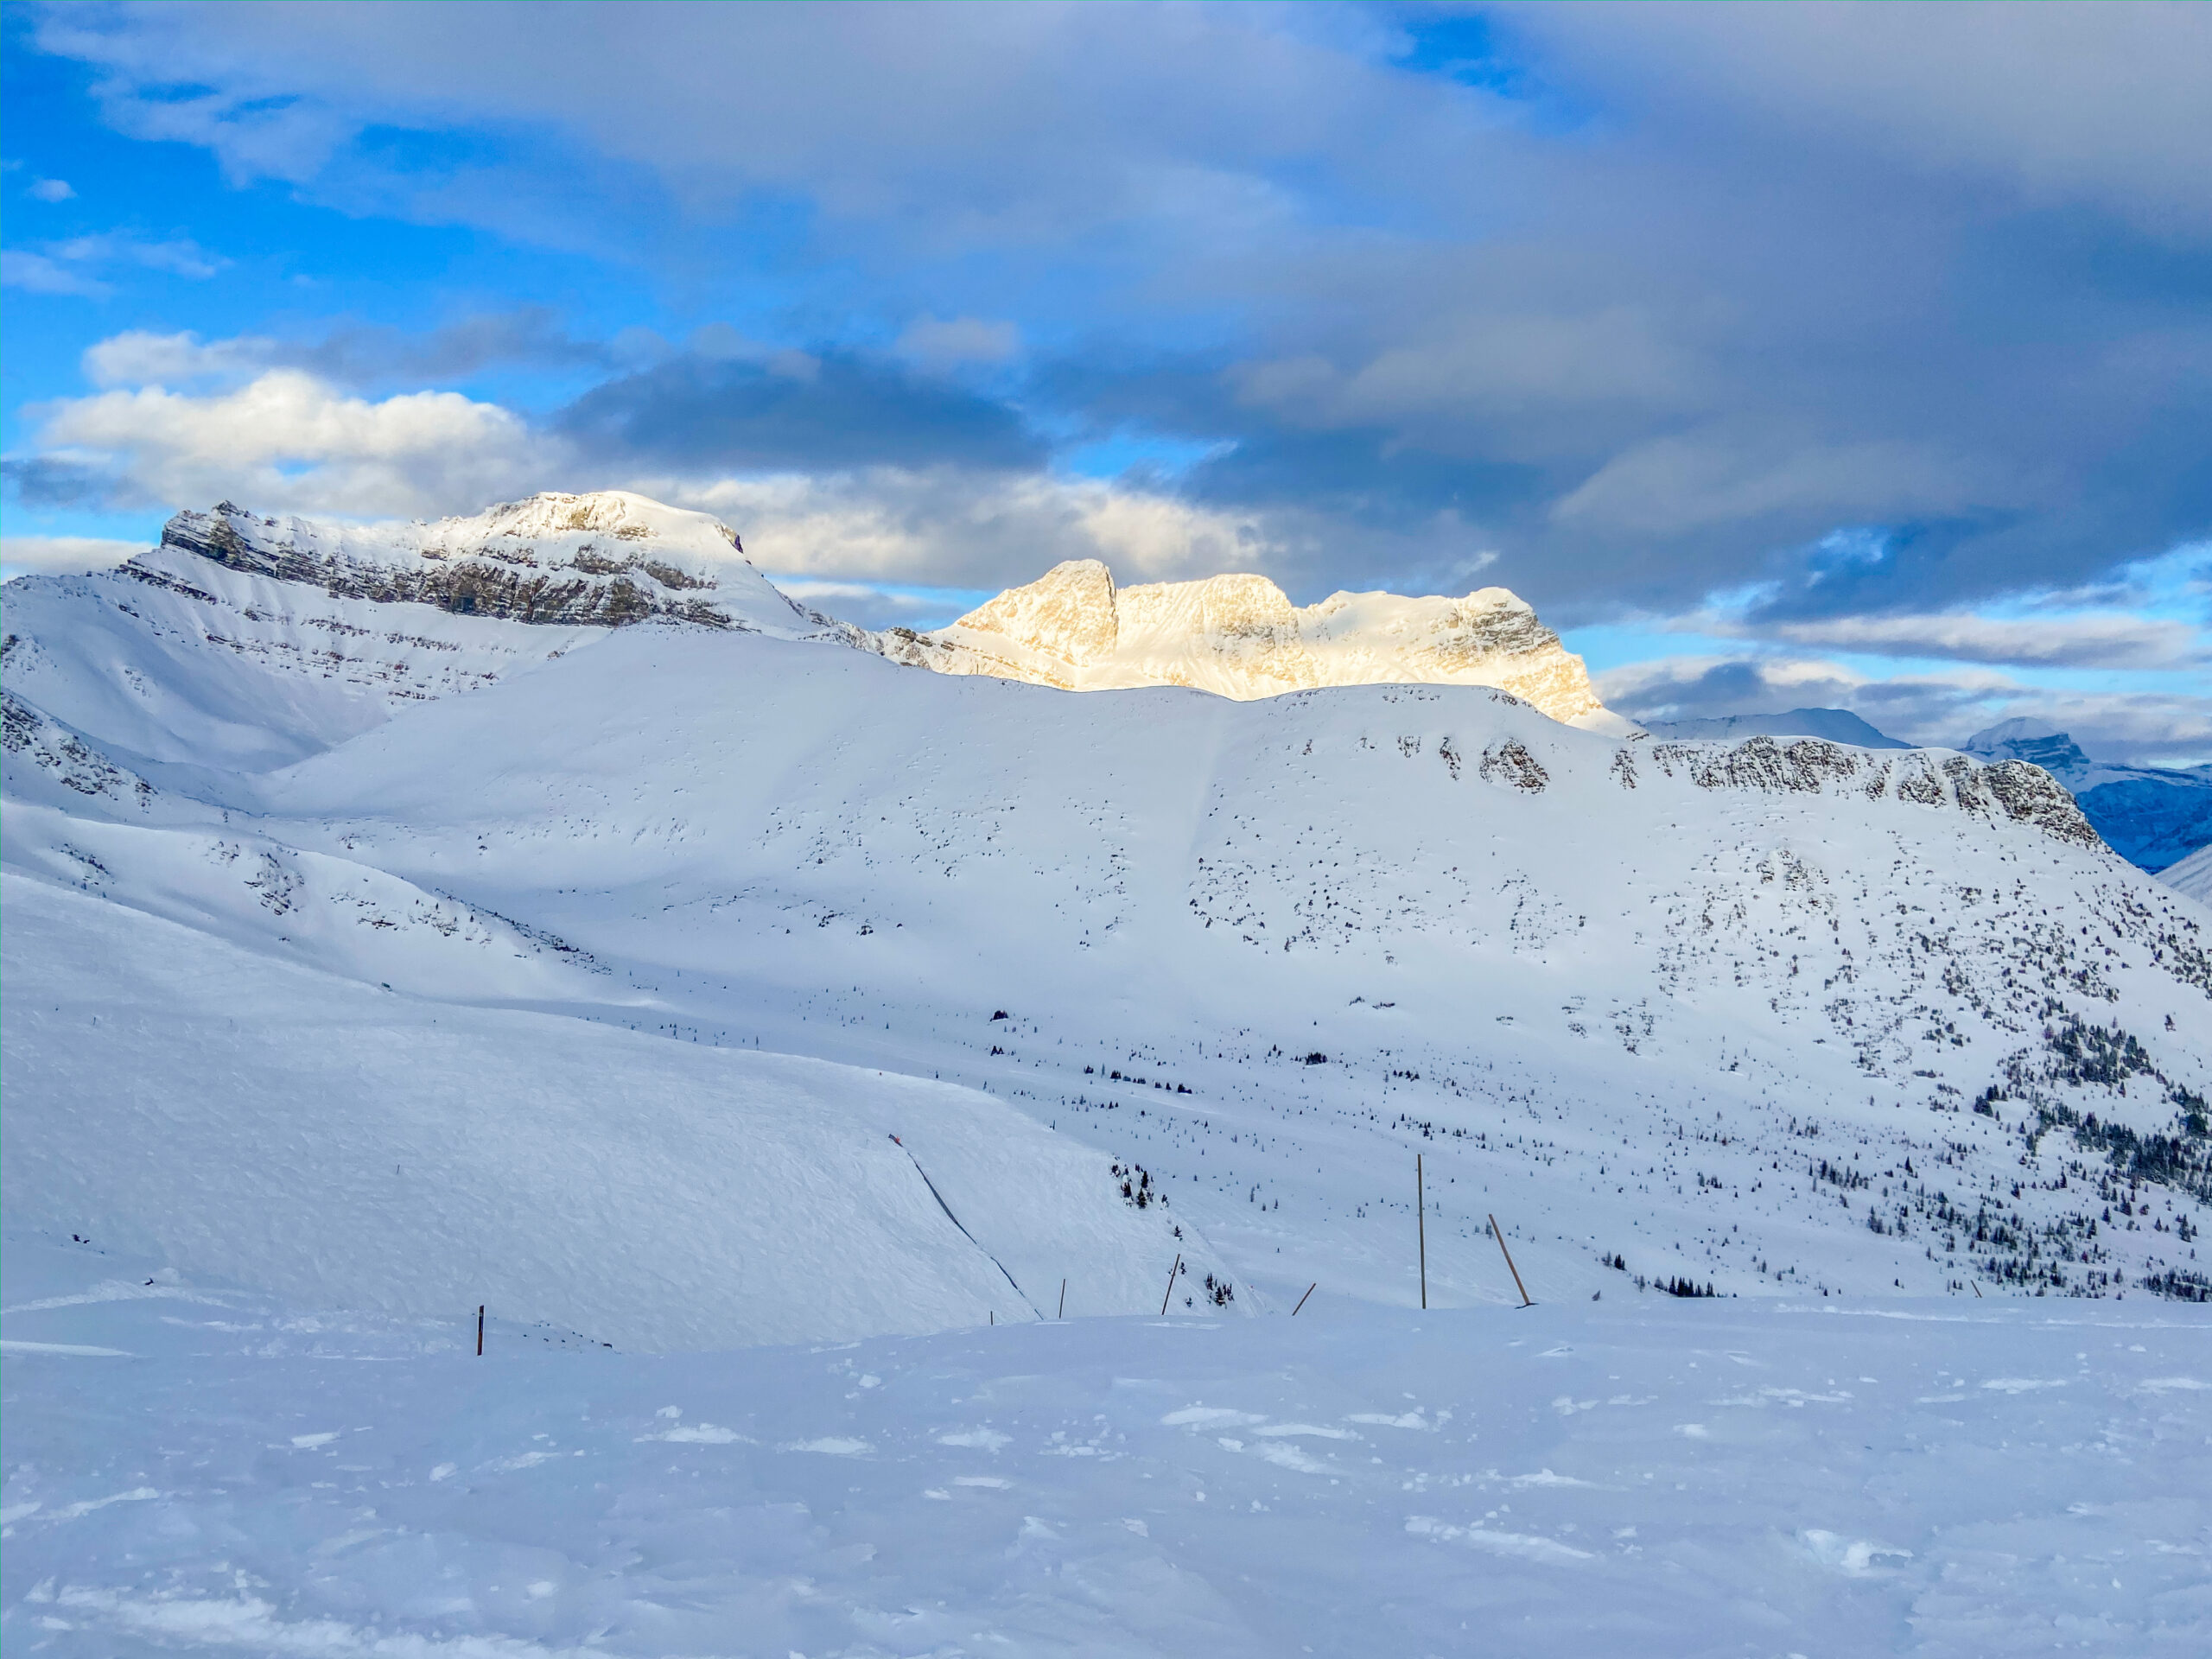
[(479, 1330), (1420, 1222), (1498, 1233), (1301, 1300), (1172, 1272), (1062, 1314)]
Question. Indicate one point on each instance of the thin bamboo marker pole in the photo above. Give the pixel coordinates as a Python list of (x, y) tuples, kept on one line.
[(479, 1330), (1172, 1272), (1420, 1221), (1301, 1300), (1062, 1314), (1498, 1233)]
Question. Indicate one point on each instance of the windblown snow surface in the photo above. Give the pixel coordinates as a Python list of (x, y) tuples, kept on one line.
[(193, 1466), (365, 962)]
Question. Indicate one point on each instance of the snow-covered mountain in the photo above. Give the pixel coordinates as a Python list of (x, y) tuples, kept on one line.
[(607, 557), (1836, 725), (2152, 816), (1240, 636), (2192, 875), (515, 907)]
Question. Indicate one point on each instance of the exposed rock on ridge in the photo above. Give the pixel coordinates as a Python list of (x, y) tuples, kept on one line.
[(2017, 789), (1239, 636), (603, 559)]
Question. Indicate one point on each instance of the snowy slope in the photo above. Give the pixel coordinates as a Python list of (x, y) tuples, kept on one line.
[(346, 1145), (242, 643), (1759, 1016), (1239, 636), (193, 1465), (2193, 876), (1663, 996)]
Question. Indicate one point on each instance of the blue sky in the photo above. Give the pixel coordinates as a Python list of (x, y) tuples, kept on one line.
[(1853, 356)]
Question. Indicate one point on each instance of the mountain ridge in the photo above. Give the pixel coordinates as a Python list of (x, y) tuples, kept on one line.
[(1239, 636)]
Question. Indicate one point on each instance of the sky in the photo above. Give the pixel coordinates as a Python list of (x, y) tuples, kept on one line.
[(1854, 357)]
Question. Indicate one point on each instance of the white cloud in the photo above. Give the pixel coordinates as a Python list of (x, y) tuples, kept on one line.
[(2105, 641), (137, 357), (36, 274), (51, 190), (287, 439), (938, 344), (62, 555), (180, 256), (68, 267), (988, 529)]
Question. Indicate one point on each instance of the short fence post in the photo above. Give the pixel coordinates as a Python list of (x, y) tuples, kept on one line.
[(1498, 1233), (479, 1330)]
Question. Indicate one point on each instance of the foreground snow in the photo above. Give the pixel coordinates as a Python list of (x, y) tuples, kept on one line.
[(360, 1146), (196, 1467)]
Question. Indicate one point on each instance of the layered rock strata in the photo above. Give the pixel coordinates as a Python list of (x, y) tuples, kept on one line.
[(1239, 636)]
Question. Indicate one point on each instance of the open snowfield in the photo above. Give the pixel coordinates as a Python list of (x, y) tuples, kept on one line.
[(196, 1467)]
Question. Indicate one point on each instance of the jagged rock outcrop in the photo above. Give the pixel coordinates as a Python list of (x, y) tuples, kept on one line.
[(2153, 816), (1240, 636), (2017, 789), (605, 559), (30, 736)]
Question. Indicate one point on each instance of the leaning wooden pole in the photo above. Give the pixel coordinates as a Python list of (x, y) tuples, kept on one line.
[(1301, 1300), (1420, 1225), (1498, 1233), (1172, 1272)]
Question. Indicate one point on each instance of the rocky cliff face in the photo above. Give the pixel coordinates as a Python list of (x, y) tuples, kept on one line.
[(605, 559), (1240, 636), (2153, 816)]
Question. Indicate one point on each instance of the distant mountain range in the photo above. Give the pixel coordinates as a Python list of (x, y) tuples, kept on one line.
[(1837, 725), (2153, 816)]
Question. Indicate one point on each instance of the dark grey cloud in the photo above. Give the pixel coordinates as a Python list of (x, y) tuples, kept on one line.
[(795, 411), (1647, 301), (55, 481)]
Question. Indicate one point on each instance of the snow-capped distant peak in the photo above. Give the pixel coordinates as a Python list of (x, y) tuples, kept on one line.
[(1835, 725), (2034, 741), (1239, 636), (607, 557), (2192, 875)]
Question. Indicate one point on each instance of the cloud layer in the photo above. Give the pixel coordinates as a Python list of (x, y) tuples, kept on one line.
[(1862, 331)]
